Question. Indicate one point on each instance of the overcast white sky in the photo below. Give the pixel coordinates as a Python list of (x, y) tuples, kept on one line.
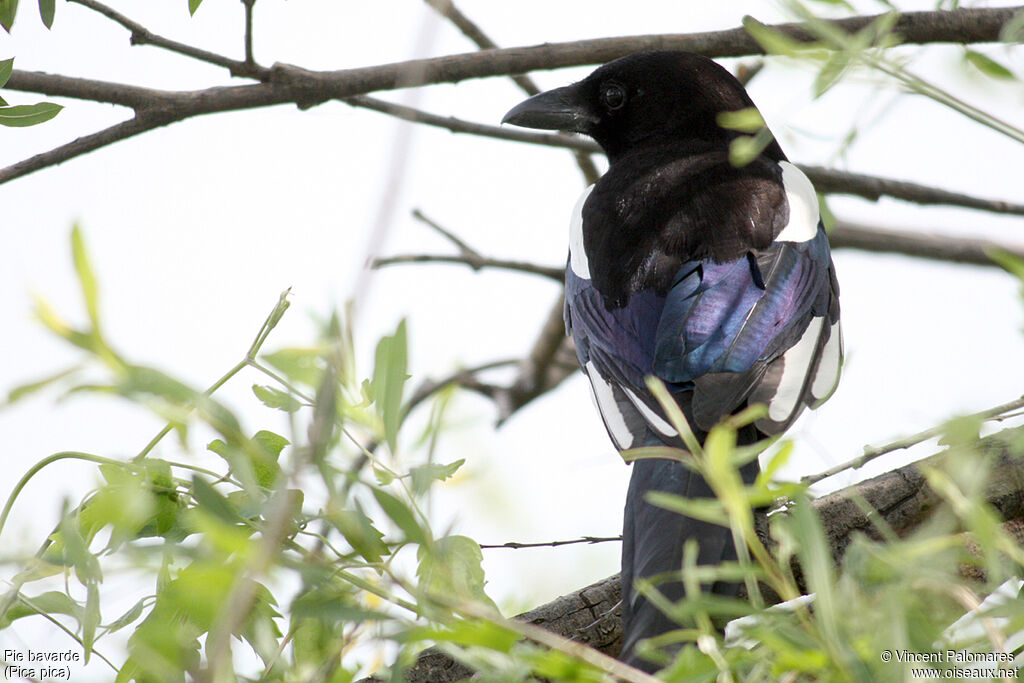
[(196, 228)]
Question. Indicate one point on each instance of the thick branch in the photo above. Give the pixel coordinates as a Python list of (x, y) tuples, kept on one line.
[(900, 498), (290, 84)]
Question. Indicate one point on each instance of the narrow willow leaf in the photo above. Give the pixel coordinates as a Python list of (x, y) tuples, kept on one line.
[(133, 613), (771, 40), (8, 8), (86, 276), (28, 114), (21, 391), (193, 5), (389, 376), (6, 68), (830, 73), (747, 120), (46, 10), (987, 65), (90, 618)]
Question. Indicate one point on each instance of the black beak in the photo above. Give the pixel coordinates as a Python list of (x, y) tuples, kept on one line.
[(558, 109)]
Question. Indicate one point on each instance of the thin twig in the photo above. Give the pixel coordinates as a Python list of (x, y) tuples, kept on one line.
[(908, 441), (461, 245), (472, 31), (249, 60), (474, 262), (514, 545), (143, 36)]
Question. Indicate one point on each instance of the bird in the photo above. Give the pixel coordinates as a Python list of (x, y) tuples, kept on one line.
[(713, 276)]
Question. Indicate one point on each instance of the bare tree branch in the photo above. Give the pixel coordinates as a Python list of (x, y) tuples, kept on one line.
[(831, 181), (953, 249), (900, 498), (291, 84), (83, 145)]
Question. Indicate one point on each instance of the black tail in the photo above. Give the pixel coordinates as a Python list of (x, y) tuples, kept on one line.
[(652, 544)]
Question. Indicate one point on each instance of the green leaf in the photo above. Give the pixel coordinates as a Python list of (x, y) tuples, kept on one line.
[(90, 618), (424, 475), (8, 8), (51, 602), (830, 73), (389, 375), (28, 114), (210, 500), (747, 120), (6, 68), (275, 398), (129, 617), (705, 509), (746, 148), (86, 275), (303, 365), (771, 40), (193, 5), (987, 65), (401, 514), (46, 10), (21, 391), (269, 446), (360, 533), (76, 552), (452, 567)]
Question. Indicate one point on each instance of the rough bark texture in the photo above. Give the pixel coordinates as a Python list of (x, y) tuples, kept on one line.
[(900, 497)]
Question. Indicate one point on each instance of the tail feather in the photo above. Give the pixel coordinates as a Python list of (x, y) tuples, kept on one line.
[(653, 540)]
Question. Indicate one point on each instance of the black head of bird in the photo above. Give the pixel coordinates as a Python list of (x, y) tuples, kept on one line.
[(641, 100)]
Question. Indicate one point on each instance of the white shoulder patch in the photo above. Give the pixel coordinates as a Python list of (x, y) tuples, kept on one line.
[(577, 254), (803, 205)]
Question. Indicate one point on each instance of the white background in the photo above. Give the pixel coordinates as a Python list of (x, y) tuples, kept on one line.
[(196, 228)]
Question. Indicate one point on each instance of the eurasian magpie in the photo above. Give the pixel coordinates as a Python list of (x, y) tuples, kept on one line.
[(713, 277)]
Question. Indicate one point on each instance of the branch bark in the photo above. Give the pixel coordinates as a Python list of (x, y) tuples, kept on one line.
[(901, 498), (291, 84)]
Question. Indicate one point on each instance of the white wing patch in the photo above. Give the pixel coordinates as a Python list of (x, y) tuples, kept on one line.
[(577, 254), (613, 418), (652, 418), (803, 205), (826, 378), (796, 363)]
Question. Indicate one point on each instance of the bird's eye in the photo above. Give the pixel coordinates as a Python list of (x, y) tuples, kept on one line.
[(613, 96)]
